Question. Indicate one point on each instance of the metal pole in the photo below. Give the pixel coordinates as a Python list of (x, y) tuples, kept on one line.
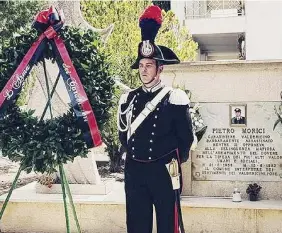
[(64, 182), (71, 200), (10, 192), (64, 198), (50, 97)]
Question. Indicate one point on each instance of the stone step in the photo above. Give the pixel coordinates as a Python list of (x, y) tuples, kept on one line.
[(29, 211)]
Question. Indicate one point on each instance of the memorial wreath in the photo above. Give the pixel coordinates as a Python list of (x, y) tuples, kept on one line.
[(42, 144)]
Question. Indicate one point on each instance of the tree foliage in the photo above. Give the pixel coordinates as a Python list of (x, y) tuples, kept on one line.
[(15, 14), (110, 137), (176, 37), (15, 17)]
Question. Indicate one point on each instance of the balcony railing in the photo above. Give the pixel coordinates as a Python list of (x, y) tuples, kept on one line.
[(213, 8)]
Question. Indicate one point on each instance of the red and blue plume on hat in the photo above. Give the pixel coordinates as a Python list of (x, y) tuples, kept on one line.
[(150, 22)]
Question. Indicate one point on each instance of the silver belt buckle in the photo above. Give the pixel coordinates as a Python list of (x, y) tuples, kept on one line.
[(150, 106)]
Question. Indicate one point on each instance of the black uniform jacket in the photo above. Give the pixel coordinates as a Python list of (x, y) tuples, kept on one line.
[(164, 130)]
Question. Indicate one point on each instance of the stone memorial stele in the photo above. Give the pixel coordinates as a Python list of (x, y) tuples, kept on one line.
[(239, 146)]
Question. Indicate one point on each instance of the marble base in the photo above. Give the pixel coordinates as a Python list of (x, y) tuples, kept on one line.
[(78, 189)]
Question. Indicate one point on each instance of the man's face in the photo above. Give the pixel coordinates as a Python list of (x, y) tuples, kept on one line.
[(238, 114), (148, 70)]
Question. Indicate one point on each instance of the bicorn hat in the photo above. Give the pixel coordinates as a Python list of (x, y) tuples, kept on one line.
[(150, 22)]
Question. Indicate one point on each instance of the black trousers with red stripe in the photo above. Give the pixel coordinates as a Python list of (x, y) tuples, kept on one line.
[(148, 184)]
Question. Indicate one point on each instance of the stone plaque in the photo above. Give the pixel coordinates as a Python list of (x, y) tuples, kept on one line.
[(245, 152)]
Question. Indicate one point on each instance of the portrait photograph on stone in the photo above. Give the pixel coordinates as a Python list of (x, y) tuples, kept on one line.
[(238, 115)]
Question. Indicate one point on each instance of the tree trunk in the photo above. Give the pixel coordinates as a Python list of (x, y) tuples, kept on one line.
[(115, 160)]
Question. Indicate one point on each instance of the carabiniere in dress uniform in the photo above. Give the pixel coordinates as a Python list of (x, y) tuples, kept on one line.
[(156, 131)]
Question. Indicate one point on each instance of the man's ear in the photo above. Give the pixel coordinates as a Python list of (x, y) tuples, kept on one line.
[(161, 69)]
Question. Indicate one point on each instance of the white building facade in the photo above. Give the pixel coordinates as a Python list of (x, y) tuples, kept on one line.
[(233, 29)]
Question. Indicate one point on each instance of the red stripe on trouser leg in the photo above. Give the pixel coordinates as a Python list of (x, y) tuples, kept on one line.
[(176, 226)]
